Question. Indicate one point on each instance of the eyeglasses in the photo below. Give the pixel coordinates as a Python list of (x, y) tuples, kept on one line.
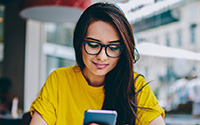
[(137, 55), (94, 48)]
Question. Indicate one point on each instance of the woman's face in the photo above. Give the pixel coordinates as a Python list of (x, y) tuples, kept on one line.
[(104, 33)]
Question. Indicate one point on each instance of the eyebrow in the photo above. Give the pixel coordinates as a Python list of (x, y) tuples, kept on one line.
[(90, 38)]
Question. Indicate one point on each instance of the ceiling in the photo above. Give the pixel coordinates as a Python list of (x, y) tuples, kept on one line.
[(110, 1), (93, 1)]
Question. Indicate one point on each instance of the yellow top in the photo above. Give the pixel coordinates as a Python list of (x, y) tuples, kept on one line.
[(66, 95)]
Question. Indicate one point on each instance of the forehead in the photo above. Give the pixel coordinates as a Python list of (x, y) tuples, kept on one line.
[(103, 31)]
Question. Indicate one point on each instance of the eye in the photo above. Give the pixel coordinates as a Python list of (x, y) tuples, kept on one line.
[(114, 48), (93, 45)]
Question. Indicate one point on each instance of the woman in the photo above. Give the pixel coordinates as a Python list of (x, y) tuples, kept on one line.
[(103, 79)]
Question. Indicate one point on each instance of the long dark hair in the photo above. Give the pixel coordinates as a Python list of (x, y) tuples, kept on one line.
[(119, 84)]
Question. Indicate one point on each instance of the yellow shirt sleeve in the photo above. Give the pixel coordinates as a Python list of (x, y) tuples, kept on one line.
[(150, 108), (65, 97), (44, 105)]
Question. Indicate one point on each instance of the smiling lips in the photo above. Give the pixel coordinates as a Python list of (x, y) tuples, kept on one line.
[(100, 66)]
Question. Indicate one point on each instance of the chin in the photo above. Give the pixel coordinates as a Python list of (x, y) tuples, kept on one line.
[(100, 73)]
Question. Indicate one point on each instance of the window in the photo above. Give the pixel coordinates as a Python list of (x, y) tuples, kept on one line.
[(179, 38), (167, 37), (59, 43), (56, 62), (156, 40), (60, 33), (192, 33)]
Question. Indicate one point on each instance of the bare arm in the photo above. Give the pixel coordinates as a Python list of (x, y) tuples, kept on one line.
[(37, 119), (157, 121)]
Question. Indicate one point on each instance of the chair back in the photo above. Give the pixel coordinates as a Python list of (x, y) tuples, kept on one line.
[(26, 118)]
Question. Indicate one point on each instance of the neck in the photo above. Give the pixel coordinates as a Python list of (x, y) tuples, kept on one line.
[(93, 80)]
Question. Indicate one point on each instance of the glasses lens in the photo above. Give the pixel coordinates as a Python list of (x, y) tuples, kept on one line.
[(114, 50), (92, 47)]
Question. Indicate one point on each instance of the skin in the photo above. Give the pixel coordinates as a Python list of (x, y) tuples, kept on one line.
[(157, 121), (97, 66), (37, 119)]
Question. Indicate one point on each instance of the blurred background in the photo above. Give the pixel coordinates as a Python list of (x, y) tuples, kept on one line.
[(167, 35)]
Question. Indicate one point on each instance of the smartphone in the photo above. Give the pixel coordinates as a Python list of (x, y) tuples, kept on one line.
[(102, 117)]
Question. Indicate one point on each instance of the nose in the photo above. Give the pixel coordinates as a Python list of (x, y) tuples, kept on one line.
[(102, 55)]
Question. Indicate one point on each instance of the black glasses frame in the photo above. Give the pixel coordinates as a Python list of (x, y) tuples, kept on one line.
[(102, 45)]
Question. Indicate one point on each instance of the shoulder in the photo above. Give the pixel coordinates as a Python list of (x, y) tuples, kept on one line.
[(138, 76), (67, 74), (62, 74), (146, 99), (139, 81)]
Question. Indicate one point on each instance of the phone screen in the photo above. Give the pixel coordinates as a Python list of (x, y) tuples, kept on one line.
[(102, 117)]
